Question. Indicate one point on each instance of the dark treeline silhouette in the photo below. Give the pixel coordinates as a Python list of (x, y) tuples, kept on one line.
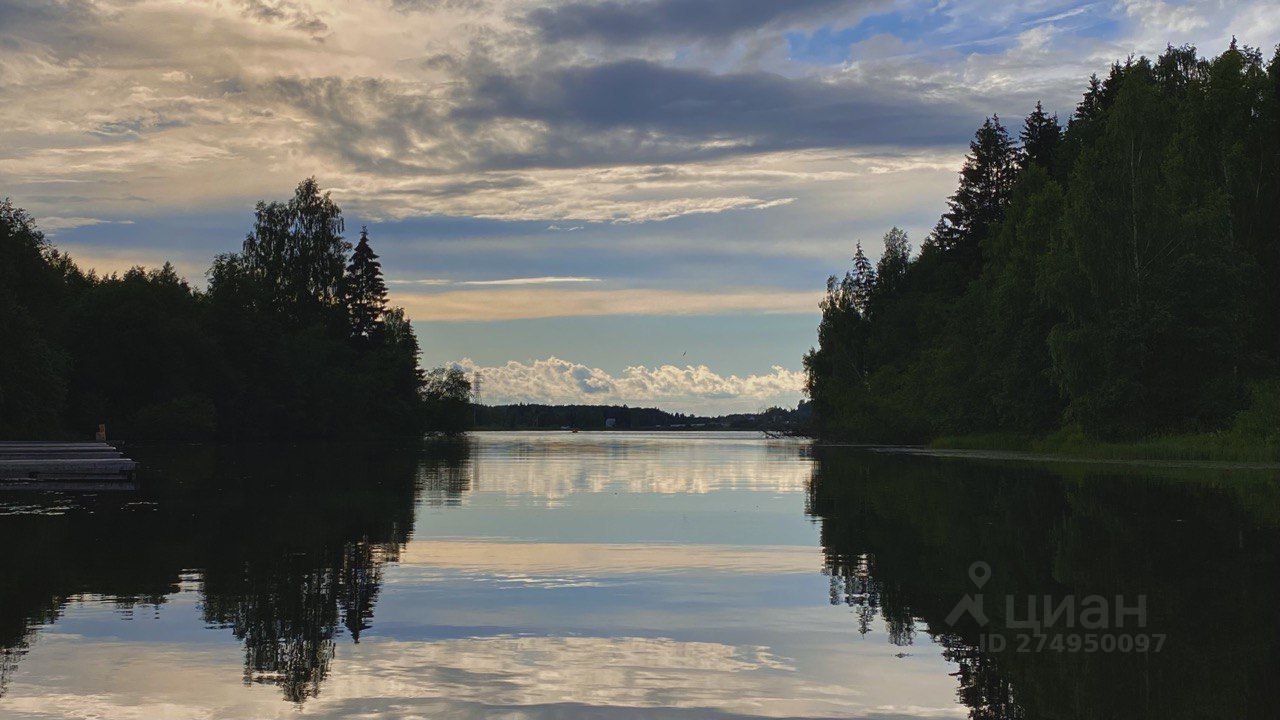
[(623, 417), (293, 338), (290, 545), (899, 536), (1119, 277)]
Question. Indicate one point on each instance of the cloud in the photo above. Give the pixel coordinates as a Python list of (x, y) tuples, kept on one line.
[(639, 111), (558, 381), (52, 224), (735, 146), (475, 107), (292, 14), (510, 673), (631, 22), (761, 469), (525, 302), (543, 280), (108, 260), (547, 280), (404, 132)]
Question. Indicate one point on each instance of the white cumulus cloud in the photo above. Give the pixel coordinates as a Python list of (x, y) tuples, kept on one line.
[(691, 388)]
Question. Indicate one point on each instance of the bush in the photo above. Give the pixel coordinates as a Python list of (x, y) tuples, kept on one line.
[(1261, 420), (186, 418)]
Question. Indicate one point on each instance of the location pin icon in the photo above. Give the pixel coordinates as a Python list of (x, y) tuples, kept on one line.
[(980, 573)]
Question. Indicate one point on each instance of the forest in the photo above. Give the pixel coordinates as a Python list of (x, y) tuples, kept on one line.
[(532, 416), (1113, 279), (293, 338)]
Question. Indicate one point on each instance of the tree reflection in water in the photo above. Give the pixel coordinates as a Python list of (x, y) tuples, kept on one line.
[(287, 550), (289, 542), (900, 533)]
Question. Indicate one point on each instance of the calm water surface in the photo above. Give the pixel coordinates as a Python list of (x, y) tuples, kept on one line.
[(636, 575)]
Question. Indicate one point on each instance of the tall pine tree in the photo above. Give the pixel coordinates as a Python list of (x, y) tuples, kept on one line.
[(365, 290)]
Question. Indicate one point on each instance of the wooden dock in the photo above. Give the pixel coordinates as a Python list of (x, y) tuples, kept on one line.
[(52, 464)]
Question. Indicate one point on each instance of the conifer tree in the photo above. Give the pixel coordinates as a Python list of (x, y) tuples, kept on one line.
[(1055, 291), (364, 289), (985, 183), (1091, 105), (1041, 135), (864, 280)]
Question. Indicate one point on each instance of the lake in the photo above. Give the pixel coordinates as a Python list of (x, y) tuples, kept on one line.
[(629, 575)]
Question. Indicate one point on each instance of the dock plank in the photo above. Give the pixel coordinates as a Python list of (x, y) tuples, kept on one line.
[(32, 463)]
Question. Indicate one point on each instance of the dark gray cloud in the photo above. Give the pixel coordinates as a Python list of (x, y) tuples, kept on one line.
[(620, 113), (295, 15), (638, 21), (25, 21), (640, 111), (15, 13), (490, 122)]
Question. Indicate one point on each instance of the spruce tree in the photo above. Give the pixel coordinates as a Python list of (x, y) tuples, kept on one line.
[(1041, 135), (1090, 107), (365, 291), (985, 183), (864, 280)]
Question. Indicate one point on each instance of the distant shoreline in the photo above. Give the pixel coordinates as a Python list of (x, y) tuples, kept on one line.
[(618, 430)]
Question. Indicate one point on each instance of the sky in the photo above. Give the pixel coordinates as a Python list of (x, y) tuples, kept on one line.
[(604, 201)]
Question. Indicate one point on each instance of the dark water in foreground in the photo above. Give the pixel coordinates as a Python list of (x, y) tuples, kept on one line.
[(631, 575)]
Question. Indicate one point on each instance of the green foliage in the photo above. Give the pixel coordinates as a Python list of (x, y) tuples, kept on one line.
[(364, 291), (893, 262), (294, 259), (192, 417), (33, 382), (986, 179), (1119, 277), (529, 416), (136, 340), (290, 341), (1041, 138), (1261, 420), (447, 394), (836, 368), (287, 308), (1013, 356)]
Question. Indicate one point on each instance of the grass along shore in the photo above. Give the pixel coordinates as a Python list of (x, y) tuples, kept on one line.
[(1222, 446), (1254, 436)]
